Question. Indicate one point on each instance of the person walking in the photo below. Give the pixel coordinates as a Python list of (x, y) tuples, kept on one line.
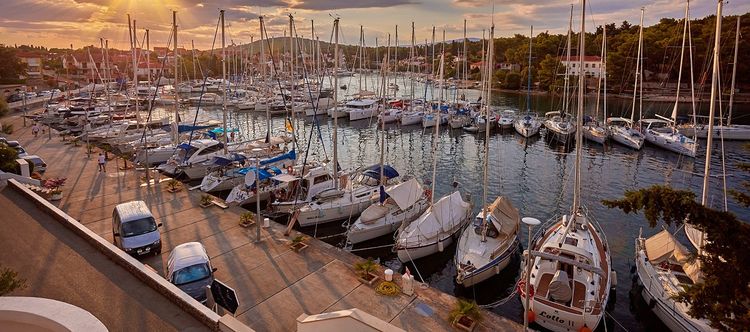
[(102, 163), (35, 129)]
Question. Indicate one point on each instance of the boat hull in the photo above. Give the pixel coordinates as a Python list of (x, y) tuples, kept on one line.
[(491, 269), (413, 253)]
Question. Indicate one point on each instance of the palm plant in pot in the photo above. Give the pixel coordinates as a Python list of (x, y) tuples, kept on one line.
[(247, 219), (54, 184), (206, 200), (298, 243), (365, 271), (173, 185), (465, 315)]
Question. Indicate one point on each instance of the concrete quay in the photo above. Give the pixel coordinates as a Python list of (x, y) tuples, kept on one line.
[(275, 285)]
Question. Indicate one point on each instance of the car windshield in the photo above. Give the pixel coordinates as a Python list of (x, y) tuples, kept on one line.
[(191, 273), (138, 227)]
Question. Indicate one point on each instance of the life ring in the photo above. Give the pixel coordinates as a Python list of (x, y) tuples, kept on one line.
[(522, 289)]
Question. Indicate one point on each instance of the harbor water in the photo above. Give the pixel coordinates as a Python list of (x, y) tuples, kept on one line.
[(536, 174)]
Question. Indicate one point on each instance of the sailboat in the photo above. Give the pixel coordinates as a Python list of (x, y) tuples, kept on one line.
[(592, 131), (663, 132), (486, 247), (437, 226), (728, 131), (400, 205), (621, 129), (570, 273), (559, 124), (662, 263), (528, 124), (353, 197)]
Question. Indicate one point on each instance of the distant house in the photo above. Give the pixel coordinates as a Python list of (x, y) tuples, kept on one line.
[(591, 65), (510, 66), (33, 64), (476, 65)]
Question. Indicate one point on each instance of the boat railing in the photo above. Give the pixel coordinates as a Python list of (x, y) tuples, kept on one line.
[(596, 224)]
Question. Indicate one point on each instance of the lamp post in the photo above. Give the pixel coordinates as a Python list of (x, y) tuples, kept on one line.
[(530, 222)]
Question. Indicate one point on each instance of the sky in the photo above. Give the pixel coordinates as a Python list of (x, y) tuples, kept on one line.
[(60, 23)]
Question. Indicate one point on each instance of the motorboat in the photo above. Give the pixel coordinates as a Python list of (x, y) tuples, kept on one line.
[(559, 126)]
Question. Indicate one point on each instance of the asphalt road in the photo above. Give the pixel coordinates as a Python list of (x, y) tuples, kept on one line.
[(57, 264)]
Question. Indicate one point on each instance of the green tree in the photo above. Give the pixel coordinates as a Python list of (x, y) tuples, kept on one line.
[(512, 81), (8, 158), (547, 73), (10, 66), (723, 296), (4, 109), (9, 281)]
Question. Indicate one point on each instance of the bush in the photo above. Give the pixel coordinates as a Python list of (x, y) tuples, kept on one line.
[(4, 109), (465, 308), (9, 281), (8, 158), (7, 128)]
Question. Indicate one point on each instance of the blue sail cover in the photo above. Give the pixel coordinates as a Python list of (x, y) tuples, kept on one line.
[(224, 161), (291, 155), (374, 171), (264, 174)]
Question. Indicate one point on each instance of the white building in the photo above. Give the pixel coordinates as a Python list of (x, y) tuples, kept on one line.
[(592, 65)]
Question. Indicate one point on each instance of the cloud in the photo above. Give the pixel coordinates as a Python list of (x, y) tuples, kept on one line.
[(346, 4)]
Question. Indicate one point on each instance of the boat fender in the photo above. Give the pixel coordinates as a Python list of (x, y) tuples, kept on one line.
[(290, 170), (440, 246), (497, 269), (613, 277)]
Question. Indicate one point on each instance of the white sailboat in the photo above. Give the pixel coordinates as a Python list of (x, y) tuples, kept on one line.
[(570, 272), (402, 204), (663, 132), (559, 124), (662, 263), (621, 129), (486, 247), (437, 226), (592, 130), (528, 124), (727, 131)]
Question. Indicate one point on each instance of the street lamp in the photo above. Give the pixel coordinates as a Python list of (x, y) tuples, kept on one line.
[(530, 222)]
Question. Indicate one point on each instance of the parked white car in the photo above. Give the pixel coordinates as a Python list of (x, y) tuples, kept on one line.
[(189, 268)]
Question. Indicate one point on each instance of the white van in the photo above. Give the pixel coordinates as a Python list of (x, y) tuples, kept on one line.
[(134, 229), (189, 268)]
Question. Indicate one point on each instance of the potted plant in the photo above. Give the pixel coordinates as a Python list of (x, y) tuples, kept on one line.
[(173, 185), (465, 315), (125, 157), (365, 271), (247, 219), (206, 200), (298, 243), (54, 185)]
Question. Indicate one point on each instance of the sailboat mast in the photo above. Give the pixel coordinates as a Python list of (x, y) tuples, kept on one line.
[(603, 69), (135, 68), (437, 122), (485, 207), (411, 60), (734, 71), (528, 87), (223, 82), (637, 69), (395, 64), (566, 88), (712, 108), (579, 116), (465, 58), (679, 75), (599, 81), (335, 103), (174, 86), (384, 92)]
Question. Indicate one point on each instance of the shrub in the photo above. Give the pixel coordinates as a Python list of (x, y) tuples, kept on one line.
[(7, 128), (4, 109), (8, 158), (365, 267), (465, 308)]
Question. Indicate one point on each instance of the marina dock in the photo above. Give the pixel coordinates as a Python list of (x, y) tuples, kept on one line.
[(274, 284)]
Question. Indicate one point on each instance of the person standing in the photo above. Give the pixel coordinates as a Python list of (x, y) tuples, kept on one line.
[(102, 163)]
